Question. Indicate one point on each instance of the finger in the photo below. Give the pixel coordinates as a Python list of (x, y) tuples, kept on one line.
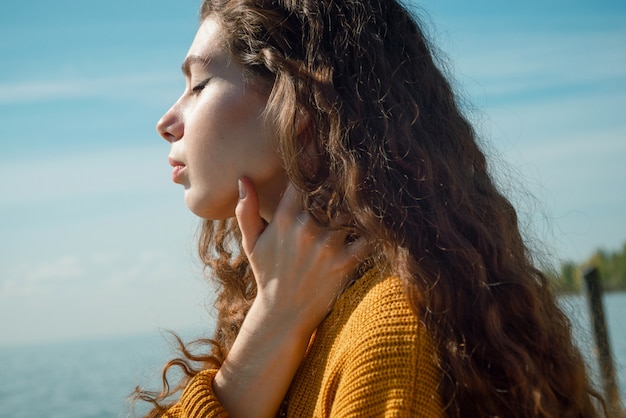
[(357, 250), (336, 237), (290, 204), (247, 212)]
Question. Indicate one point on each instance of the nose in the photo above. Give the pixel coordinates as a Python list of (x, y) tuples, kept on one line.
[(171, 126)]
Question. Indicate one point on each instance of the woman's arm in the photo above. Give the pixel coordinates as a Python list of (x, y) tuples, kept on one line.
[(300, 269)]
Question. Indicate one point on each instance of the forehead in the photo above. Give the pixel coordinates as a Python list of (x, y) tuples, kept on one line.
[(208, 45)]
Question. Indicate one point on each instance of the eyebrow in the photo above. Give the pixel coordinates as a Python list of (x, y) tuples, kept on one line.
[(192, 59)]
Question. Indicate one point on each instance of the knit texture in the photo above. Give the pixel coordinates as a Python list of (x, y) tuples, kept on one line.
[(371, 357)]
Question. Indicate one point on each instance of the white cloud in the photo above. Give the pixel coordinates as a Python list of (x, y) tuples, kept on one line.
[(101, 275), (514, 63), (93, 270), (148, 268), (99, 294), (126, 87), (551, 103), (96, 174), (28, 280)]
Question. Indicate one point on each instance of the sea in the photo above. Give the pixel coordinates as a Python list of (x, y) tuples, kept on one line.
[(92, 379)]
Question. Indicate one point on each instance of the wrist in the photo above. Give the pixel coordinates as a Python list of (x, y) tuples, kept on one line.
[(280, 322), (260, 365)]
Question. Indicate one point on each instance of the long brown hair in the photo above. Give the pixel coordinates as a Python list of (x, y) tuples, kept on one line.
[(395, 152)]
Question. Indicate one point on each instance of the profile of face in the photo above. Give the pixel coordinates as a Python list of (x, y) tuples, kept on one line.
[(217, 132)]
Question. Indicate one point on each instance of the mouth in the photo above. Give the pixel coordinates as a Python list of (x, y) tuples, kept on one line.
[(178, 170)]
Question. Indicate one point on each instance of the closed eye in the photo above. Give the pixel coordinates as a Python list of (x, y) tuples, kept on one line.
[(199, 87)]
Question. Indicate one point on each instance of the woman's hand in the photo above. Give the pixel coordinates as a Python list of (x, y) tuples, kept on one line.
[(300, 270)]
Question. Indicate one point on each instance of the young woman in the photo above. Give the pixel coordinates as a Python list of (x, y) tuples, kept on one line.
[(366, 264)]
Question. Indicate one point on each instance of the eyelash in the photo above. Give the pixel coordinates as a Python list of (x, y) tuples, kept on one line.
[(199, 87)]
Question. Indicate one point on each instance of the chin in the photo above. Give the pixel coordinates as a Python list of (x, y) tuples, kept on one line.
[(208, 209)]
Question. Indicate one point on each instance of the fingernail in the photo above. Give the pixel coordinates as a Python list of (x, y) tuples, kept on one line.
[(242, 190)]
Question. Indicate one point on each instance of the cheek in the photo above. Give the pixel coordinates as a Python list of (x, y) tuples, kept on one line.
[(243, 112), (230, 138), (230, 112), (239, 122)]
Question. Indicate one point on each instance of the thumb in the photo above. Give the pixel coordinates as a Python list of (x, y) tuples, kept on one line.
[(247, 212)]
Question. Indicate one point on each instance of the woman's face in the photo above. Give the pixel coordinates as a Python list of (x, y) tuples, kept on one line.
[(217, 133)]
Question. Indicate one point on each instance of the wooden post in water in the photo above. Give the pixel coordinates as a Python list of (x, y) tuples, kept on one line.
[(605, 357)]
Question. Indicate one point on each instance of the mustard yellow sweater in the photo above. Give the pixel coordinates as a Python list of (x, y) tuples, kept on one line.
[(371, 357)]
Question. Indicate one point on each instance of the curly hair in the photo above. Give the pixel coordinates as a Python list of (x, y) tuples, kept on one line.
[(400, 165)]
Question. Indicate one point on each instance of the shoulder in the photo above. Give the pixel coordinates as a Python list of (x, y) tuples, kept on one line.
[(383, 353), (374, 320), (377, 300)]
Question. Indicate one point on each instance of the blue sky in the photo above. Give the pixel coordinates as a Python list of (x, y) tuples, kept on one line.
[(96, 240)]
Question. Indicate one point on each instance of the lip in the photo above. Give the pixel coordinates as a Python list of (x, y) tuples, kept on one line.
[(178, 170)]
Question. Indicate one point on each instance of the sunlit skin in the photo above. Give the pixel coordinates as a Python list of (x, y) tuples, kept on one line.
[(223, 155), (217, 133)]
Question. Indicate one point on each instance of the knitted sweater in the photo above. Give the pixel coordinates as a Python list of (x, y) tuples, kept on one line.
[(370, 357)]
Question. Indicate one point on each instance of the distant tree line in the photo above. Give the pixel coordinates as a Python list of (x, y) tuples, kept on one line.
[(611, 267)]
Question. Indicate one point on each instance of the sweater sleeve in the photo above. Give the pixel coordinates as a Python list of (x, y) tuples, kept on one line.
[(390, 369), (198, 399)]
